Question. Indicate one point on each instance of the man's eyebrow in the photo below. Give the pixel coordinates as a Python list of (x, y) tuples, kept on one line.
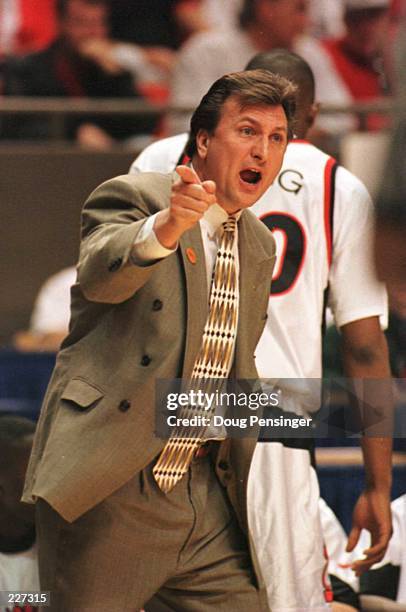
[(281, 128), (277, 128)]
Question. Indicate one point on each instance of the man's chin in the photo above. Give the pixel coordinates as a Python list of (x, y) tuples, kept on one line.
[(241, 200), (250, 200)]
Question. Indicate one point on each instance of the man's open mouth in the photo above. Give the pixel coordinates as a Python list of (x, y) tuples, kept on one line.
[(250, 176)]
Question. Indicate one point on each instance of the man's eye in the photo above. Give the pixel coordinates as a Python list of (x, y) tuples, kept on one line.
[(247, 131), (277, 137)]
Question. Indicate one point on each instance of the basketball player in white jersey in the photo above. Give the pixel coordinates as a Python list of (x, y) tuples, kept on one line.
[(321, 216)]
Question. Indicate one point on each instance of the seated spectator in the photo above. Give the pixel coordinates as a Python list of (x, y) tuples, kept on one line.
[(18, 556), (144, 37), (147, 34), (147, 23), (26, 26), (351, 68), (50, 317), (66, 68), (264, 25), (326, 17), (210, 14)]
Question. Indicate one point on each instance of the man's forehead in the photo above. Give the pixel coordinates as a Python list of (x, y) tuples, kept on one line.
[(246, 110)]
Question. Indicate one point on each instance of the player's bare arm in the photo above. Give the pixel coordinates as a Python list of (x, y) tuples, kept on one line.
[(365, 356)]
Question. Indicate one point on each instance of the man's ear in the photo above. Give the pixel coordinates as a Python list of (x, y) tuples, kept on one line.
[(202, 143), (313, 112)]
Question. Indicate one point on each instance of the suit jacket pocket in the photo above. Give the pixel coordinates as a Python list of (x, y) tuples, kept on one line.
[(81, 393)]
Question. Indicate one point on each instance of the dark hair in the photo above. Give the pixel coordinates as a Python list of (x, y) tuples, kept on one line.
[(289, 65), (15, 429), (247, 14), (62, 5), (356, 16), (251, 88)]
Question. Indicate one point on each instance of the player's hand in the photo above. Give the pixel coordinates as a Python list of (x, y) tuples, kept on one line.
[(190, 199), (372, 512)]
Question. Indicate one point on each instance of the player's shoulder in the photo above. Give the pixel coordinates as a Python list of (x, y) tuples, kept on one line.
[(312, 161), (160, 156), (167, 144), (310, 164), (347, 177), (306, 154), (350, 186)]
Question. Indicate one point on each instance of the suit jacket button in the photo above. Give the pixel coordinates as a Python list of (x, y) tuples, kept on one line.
[(124, 405), (145, 360), (223, 465), (157, 305), (115, 264)]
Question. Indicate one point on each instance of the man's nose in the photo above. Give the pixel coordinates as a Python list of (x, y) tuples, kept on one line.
[(260, 149)]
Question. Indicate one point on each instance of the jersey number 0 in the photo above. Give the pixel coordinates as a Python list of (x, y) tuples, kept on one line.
[(291, 247)]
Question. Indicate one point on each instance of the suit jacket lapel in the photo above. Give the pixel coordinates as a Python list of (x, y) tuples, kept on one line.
[(194, 263)]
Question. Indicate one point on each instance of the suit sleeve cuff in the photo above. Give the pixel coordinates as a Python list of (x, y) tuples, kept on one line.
[(147, 248)]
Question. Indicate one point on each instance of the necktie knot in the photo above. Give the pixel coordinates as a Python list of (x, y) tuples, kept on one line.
[(227, 233), (230, 224)]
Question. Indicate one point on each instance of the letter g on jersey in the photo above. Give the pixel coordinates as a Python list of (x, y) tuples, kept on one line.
[(291, 181)]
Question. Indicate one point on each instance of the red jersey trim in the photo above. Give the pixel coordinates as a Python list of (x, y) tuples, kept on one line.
[(329, 184)]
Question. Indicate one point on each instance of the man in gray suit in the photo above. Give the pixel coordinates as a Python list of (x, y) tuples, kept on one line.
[(109, 537)]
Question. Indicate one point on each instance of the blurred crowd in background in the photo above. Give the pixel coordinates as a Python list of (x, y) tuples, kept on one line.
[(169, 52)]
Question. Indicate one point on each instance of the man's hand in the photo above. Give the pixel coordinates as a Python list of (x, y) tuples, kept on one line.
[(372, 512), (190, 198)]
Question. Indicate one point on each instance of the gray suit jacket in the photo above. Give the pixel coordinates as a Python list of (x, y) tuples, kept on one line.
[(131, 325)]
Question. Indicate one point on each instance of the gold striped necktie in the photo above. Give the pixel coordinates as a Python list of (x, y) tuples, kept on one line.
[(213, 361)]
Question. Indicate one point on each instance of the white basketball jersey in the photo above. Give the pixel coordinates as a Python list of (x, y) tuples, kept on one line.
[(321, 217)]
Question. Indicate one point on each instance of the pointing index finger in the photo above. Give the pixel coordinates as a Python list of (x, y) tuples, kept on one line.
[(188, 175)]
